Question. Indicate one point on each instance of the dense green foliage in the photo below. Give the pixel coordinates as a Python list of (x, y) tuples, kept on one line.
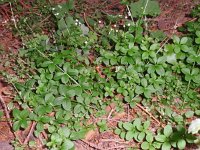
[(67, 86)]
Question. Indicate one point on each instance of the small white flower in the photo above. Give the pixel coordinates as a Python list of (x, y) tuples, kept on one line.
[(117, 30), (115, 25), (124, 26), (120, 15), (59, 6), (76, 20), (79, 23), (56, 14), (86, 42), (53, 8), (128, 24), (111, 29), (129, 14), (126, 17), (100, 21), (76, 23)]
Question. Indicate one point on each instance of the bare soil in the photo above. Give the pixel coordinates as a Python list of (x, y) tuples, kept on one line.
[(174, 14)]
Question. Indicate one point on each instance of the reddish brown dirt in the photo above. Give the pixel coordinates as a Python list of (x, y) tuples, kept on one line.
[(174, 14)]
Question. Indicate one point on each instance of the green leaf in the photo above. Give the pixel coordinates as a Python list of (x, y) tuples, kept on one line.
[(122, 135), (64, 78), (186, 70), (197, 40), (117, 131), (143, 82), (68, 144), (149, 137), (145, 145), (16, 125), (181, 144), (51, 68), (145, 55), (49, 98), (160, 138), (137, 123), (128, 126), (141, 136), (16, 113), (198, 33), (64, 131), (146, 124), (189, 114), (166, 146), (184, 40), (162, 60), (62, 89), (129, 135), (176, 39), (139, 90), (195, 71), (62, 24), (160, 70), (66, 104), (168, 130)]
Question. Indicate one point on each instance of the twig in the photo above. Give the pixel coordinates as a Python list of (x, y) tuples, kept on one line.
[(115, 140), (84, 16), (128, 113), (8, 118), (110, 113), (166, 40), (30, 133), (91, 145), (118, 147), (13, 17), (38, 24), (141, 107)]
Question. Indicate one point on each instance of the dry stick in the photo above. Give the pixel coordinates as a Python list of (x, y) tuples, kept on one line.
[(8, 118), (110, 113), (117, 147), (84, 16), (115, 140), (141, 107), (30, 132), (91, 145), (38, 24)]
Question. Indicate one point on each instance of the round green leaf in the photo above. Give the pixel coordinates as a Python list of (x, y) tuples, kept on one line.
[(168, 130), (181, 144), (189, 114), (166, 146), (128, 126), (141, 136), (160, 138), (129, 135), (117, 131), (149, 137), (145, 145)]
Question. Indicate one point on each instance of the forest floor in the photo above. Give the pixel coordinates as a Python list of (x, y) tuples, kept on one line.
[(174, 13)]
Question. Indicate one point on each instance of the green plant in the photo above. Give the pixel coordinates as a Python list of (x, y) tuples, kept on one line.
[(79, 74)]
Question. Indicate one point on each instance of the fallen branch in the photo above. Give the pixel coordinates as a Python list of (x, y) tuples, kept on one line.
[(30, 133), (91, 145), (141, 107), (84, 16), (8, 118)]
